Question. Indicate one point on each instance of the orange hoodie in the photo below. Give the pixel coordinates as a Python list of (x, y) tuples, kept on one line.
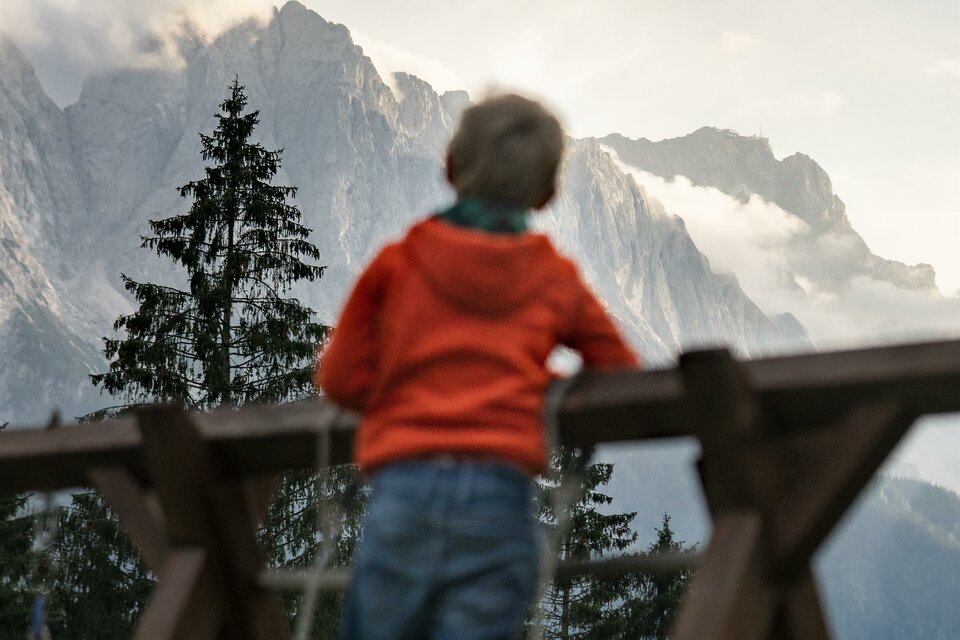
[(443, 342)]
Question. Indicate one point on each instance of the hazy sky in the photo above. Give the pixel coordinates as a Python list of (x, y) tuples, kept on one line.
[(868, 88)]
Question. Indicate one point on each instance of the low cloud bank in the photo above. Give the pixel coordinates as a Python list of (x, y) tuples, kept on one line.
[(750, 239)]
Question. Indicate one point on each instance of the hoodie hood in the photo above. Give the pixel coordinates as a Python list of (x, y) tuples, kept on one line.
[(480, 272)]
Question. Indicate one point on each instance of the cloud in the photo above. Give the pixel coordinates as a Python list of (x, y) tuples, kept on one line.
[(943, 68), (868, 312), (930, 451), (800, 104), (746, 239), (738, 40), (750, 239), (69, 39)]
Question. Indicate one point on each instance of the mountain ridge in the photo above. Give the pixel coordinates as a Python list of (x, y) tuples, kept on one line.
[(366, 165), (741, 166)]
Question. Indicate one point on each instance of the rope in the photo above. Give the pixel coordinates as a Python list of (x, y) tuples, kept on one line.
[(43, 570), (562, 499), (330, 521)]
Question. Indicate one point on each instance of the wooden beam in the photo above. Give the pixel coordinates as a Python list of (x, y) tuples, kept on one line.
[(657, 564), (730, 596), (143, 526), (799, 615), (254, 441), (722, 402), (794, 392), (204, 508), (833, 463), (35, 459), (623, 405), (182, 605)]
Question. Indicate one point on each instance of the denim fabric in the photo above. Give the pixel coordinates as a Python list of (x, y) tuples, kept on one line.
[(449, 552)]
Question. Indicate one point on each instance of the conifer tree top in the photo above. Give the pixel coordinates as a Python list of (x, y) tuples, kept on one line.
[(229, 335)]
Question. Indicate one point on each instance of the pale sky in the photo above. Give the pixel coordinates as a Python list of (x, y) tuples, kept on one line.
[(868, 88)]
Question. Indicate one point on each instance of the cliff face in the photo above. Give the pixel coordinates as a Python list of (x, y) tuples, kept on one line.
[(43, 362), (645, 265), (830, 253), (78, 186)]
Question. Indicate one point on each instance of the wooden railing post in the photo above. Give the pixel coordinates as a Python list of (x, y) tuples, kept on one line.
[(732, 596), (203, 546), (796, 484)]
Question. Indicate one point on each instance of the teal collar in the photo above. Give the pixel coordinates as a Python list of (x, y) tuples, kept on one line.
[(486, 216)]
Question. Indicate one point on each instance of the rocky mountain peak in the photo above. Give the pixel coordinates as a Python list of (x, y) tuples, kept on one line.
[(366, 162), (422, 112), (455, 102), (17, 76), (743, 166)]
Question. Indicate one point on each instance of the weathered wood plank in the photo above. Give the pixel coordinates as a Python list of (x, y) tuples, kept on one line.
[(251, 442), (799, 614), (144, 527), (834, 464), (185, 604), (204, 508), (794, 393), (730, 597)]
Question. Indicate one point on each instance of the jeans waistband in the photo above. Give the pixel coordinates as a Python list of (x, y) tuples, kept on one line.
[(437, 475)]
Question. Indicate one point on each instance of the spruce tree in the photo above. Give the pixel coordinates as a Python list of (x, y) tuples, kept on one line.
[(655, 599), (630, 606), (585, 606), (228, 337), (102, 585), (16, 561)]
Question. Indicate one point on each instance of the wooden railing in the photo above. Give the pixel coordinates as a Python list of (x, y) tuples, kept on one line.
[(787, 445)]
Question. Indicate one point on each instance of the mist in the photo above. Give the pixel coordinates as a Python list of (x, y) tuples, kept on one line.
[(69, 40)]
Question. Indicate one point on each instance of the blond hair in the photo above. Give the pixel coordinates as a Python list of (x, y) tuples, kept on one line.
[(507, 150)]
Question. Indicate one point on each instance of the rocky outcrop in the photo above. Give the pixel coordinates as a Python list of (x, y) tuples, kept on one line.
[(44, 363), (830, 253)]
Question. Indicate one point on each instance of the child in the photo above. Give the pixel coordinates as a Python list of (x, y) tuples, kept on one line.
[(442, 348)]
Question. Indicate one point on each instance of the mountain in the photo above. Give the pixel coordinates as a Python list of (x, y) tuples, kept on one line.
[(892, 570), (84, 181), (77, 186), (830, 252), (889, 571), (43, 362)]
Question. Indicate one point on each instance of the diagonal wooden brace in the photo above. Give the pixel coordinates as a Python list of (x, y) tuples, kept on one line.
[(730, 596), (830, 467), (799, 615), (186, 602), (204, 510), (139, 515), (798, 482)]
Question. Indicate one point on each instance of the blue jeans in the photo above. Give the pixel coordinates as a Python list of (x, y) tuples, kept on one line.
[(449, 552)]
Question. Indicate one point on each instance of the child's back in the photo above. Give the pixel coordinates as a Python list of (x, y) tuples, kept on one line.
[(443, 347)]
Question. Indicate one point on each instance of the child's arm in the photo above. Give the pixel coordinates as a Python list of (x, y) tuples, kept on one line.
[(349, 361), (595, 336)]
